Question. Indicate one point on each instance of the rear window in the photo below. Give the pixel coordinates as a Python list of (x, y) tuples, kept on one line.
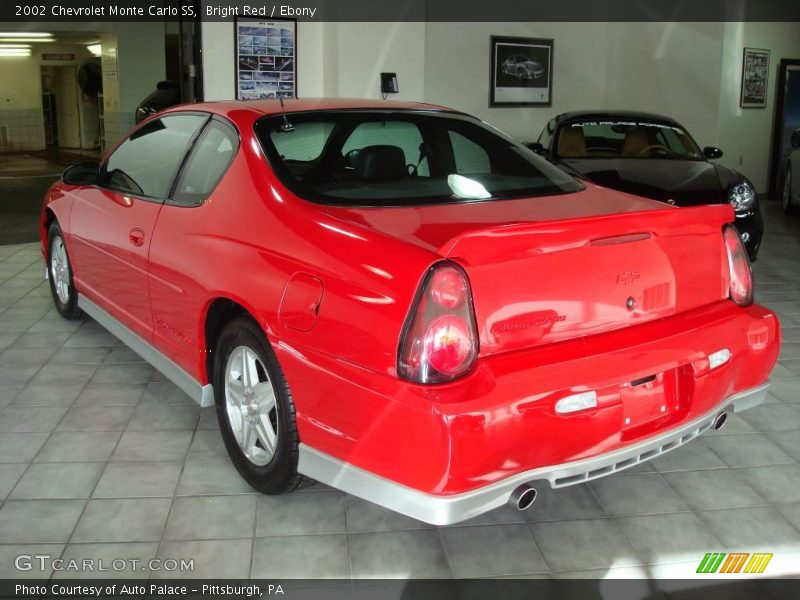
[(389, 158)]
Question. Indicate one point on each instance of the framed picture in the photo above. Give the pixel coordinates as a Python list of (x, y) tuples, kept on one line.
[(266, 58), (522, 72), (755, 72), (786, 128)]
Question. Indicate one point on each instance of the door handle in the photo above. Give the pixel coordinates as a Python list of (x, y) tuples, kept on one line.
[(136, 237)]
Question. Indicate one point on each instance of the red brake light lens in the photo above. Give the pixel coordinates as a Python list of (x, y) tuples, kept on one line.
[(440, 342), (741, 274)]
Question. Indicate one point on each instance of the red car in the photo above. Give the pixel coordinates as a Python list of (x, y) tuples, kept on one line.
[(397, 300)]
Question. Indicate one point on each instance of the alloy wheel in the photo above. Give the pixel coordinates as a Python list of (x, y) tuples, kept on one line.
[(251, 406), (59, 269)]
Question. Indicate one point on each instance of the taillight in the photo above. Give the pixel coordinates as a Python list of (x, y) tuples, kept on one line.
[(741, 288), (439, 342)]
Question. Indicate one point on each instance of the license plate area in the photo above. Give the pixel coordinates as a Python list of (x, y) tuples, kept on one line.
[(649, 399)]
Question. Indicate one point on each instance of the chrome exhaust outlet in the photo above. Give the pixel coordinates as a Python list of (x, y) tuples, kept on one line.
[(719, 420), (523, 497)]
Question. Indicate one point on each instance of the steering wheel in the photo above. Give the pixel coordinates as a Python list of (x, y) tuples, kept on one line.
[(654, 148)]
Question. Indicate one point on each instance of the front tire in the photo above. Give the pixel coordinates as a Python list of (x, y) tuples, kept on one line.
[(786, 199), (59, 274), (255, 409)]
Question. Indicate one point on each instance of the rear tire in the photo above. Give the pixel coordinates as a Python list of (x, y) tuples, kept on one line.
[(59, 274), (789, 207), (255, 409)]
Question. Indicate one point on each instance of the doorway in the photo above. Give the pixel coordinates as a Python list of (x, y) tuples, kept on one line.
[(71, 117)]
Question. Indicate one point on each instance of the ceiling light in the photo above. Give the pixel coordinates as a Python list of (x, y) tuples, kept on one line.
[(95, 49), (25, 34), (6, 52), (21, 39), (16, 46)]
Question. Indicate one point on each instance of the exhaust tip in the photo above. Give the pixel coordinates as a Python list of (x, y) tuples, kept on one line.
[(523, 497), (720, 420)]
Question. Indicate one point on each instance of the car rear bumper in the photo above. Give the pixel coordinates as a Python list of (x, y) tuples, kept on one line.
[(445, 510), (499, 425)]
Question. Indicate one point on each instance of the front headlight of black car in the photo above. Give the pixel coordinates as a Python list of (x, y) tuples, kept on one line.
[(742, 196)]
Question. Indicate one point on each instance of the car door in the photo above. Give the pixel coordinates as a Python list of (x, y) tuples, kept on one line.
[(111, 224), (184, 238)]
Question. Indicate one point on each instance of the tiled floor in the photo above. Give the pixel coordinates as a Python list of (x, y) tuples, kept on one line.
[(101, 457)]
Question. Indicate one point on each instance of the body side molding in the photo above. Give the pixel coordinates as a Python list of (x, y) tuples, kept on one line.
[(202, 394)]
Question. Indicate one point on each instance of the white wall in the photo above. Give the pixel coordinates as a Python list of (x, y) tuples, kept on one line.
[(457, 70), (745, 134), (333, 59), (690, 71)]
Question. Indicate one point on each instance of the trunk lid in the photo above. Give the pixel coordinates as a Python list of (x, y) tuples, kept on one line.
[(545, 270)]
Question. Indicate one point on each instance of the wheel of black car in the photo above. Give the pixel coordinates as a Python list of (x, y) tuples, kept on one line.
[(786, 197), (255, 409), (59, 274)]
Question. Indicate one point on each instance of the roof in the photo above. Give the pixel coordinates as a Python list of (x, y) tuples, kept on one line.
[(615, 114), (273, 106)]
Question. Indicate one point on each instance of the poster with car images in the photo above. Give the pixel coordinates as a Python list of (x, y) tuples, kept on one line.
[(522, 72), (266, 59), (755, 71)]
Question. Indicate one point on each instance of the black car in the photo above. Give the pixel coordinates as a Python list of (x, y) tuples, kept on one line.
[(653, 156), (166, 94)]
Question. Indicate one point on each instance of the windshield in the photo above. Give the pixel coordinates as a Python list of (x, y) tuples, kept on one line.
[(389, 158), (625, 138)]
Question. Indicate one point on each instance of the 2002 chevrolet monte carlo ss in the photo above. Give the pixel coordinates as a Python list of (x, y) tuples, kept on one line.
[(399, 301)]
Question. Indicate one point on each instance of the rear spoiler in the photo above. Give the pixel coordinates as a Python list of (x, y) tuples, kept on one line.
[(521, 240)]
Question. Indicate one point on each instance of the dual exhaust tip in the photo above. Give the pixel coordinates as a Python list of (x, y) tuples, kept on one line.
[(524, 496), (720, 420)]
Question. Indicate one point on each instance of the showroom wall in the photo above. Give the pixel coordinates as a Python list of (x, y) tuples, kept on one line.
[(140, 65), (125, 82), (690, 71), (333, 59), (745, 134), (21, 122), (21, 103)]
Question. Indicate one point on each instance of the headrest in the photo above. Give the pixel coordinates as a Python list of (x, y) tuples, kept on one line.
[(381, 163), (572, 143), (636, 140)]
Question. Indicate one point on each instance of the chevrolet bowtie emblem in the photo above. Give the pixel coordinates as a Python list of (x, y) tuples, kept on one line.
[(628, 277)]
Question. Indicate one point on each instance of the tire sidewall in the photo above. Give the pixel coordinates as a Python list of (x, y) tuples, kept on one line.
[(279, 473), (70, 308)]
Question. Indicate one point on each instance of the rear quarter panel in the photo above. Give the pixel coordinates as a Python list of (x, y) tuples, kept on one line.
[(244, 244)]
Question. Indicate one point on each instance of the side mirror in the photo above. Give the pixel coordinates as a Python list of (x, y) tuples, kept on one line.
[(536, 147), (712, 152), (795, 139), (85, 173)]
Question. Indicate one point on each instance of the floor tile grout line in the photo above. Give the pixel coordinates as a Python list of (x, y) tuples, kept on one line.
[(162, 540), (49, 436)]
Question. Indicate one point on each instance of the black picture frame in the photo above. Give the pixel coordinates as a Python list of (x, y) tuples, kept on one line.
[(281, 24), (781, 130), (514, 82), (755, 77)]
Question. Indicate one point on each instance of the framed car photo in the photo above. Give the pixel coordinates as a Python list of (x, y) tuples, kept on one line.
[(266, 58), (755, 72), (522, 72)]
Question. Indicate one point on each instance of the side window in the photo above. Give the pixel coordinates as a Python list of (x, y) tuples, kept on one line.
[(305, 143), (469, 157), (401, 134), (211, 156), (146, 163)]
